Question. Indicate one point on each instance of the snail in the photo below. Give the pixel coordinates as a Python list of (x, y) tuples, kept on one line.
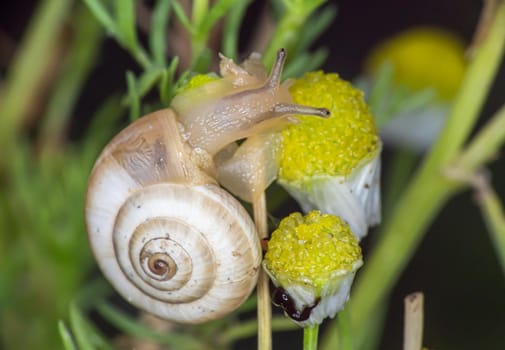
[(167, 236)]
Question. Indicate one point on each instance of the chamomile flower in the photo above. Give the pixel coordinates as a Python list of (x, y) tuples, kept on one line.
[(422, 59), (333, 164), (312, 261)]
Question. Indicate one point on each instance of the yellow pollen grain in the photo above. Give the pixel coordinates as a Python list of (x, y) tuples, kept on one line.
[(333, 146), (313, 248)]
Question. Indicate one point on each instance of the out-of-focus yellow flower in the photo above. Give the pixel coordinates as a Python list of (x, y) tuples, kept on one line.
[(421, 58), (333, 164), (312, 261)]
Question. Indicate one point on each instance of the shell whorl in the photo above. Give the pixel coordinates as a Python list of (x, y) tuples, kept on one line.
[(170, 242)]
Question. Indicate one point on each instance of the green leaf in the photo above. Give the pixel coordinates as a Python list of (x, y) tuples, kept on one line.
[(287, 32), (167, 88), (202, 63), (147, 80), (315, 25), (220, 8), (127, 32), (66, 336), (199, 11), (131, 326), (248, 328), (157, 37), (379, 94), (80, 329), (231, 30), (103, 16), (133, 96), (124, 30), (144, 84), (125, 14), (416, 100), (305, 63), (86, 336), (181, 16)]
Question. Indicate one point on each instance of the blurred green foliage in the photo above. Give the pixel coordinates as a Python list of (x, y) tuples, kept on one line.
[(44, 257), (47, 286)]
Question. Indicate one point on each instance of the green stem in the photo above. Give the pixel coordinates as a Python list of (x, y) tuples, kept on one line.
[(485, 145), (429, 190), (494, 216), (482, 148), (414, 212), (472, 95), (199, 11), (345, 331), (310, 337), (199, 38), (249, 328)]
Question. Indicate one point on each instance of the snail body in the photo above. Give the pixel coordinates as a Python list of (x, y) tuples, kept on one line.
[(164, 232)]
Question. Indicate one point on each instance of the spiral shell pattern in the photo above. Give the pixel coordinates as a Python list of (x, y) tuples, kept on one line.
[(185, 252)]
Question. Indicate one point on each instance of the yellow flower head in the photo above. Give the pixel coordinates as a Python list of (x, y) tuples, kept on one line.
[(313, 259), (333, 146), (313, 248), (423, 58)]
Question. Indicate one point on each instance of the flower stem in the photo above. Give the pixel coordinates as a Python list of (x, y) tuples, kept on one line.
[(249, 328), (484, 145), (310, 337), (263, 292), (344, 326), (429, 190), (490, 206), (494, 216)]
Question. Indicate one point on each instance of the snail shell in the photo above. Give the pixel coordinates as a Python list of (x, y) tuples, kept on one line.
[(165, 234), (168, 239)]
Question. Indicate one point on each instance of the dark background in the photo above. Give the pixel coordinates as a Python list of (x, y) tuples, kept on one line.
[(455, 265)]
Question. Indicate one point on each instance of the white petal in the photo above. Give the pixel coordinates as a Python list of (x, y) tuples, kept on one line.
[(304, 295), (330, 305), (365, 185), (416, 130), (356, 199)]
